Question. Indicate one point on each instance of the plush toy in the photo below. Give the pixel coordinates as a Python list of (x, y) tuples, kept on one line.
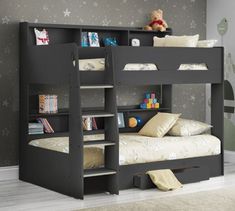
[(157, 22)]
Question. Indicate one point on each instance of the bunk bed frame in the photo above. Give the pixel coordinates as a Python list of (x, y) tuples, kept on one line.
[(53, 64)]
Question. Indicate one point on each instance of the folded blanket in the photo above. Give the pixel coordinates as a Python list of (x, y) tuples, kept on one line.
[(164, 179)]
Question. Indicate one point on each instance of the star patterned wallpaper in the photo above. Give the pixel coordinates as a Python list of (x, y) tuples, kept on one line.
[(184, 16)]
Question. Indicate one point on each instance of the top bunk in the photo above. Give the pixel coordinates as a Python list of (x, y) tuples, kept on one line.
[(123, 64), (171, 65)]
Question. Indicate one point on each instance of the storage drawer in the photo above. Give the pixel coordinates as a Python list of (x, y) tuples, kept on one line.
[(184, 175)]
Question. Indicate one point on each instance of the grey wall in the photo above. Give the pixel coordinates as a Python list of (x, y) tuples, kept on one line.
[(216, 11), (184, 16)]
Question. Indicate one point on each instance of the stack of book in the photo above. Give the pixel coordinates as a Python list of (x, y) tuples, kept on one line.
[(46, 125), (48, 104), (36, 128)]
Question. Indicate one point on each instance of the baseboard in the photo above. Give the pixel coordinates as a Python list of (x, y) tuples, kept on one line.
[(9, 173), (229, 156)]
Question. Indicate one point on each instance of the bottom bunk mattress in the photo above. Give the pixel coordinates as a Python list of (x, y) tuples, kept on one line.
[(134, 148)]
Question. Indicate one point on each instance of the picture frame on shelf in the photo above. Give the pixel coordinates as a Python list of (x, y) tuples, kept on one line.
[(121, 122)]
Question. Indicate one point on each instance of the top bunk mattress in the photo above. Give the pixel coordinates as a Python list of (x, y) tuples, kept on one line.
[(134, 148)]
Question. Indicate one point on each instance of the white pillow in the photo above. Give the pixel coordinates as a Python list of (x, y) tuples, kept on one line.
[(186, 127), (206, 43), (159, 125), (159, 41), (176, 41)]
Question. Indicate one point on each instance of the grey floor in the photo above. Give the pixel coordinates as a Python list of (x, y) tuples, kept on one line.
[(17, 195)]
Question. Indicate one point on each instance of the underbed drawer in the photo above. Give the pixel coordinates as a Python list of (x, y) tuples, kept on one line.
[(184, 175)]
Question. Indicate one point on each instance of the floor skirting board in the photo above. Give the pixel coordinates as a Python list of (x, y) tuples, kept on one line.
[(229, 156), (9, 173)]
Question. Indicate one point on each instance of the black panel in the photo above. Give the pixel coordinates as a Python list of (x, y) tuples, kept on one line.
[(168, 61)]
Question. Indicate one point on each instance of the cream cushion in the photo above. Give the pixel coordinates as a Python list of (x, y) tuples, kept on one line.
[(164, 179), (176, 41), (159, 125), (159, 41), (186, 127)]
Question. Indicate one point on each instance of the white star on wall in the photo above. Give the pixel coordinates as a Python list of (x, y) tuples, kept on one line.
[(67, 13), (193, 98), (105, 22), (5, 20), (95, 4), (45, 7), (193, 24)]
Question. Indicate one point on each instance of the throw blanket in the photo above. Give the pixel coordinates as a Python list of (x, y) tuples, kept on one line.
[(164, 179)]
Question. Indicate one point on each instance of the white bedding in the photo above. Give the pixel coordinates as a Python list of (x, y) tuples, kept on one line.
[(134, 148)]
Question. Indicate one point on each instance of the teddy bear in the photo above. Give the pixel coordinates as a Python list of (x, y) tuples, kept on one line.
[(157, 22)]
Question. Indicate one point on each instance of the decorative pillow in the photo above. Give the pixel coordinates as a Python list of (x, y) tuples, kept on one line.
[(206, 43), (186, 127), (159, 125), (176, 41)]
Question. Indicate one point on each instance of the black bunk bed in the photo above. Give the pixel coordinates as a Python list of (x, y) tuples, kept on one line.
[(54, 64)]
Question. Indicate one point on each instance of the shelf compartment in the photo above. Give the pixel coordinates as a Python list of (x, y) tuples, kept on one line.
[(96, 114), (146, 37), (99, 142), (98, 172), (97, 86)]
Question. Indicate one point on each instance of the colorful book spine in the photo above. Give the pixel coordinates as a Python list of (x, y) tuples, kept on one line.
[(46, 125), (48, 104), (94, 125), (85, 41)]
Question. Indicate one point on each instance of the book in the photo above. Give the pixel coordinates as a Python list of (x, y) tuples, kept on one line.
[(93, 39), (85, 41), (48, 104), (94, 125), (46, 125), (35, 128)]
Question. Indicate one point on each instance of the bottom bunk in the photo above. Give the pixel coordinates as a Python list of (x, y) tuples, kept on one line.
[(137, 149), (192, 159)]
